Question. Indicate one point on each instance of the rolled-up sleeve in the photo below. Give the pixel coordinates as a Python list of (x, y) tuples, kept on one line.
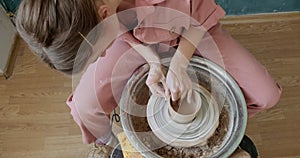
[(205, 13), (163, 20)]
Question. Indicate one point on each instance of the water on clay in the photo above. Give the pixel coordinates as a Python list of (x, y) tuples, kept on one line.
[(185, 107), (140, 124)]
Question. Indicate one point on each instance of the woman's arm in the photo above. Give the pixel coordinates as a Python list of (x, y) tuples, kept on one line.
[(146, 52), (189, 41), (178, 81)]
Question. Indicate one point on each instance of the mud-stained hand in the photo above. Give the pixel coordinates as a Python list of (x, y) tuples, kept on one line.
[(178, 81), (156, 80)]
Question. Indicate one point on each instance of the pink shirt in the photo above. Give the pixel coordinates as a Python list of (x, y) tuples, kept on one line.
[(93, 98), (162, 21)]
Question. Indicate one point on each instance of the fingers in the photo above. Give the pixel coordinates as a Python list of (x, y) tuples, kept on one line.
[(179, 93), (156, 81), (157, 89), (177, 87), (174, 88), (175, 95), (160, 89), (158, 86), (166, 90), (173, 85), (189, 96)]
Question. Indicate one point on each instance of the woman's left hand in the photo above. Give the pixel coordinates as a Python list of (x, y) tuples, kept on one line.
[(178, 80)]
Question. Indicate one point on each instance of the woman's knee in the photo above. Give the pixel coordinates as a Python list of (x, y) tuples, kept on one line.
[(272, 98), (262, 101)]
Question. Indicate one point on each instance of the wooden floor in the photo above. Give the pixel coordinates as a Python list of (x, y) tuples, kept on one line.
[(35, 121)]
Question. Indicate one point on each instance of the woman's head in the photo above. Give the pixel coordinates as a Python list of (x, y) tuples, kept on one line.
[(54, 28)]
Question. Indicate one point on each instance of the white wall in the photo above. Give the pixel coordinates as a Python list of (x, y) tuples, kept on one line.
[(7, 36)]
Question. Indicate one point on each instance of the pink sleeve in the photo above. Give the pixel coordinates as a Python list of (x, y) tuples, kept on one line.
[(88, 113), (161, 21), (157, 24), (87, 137), (206, 13), (127, 36)]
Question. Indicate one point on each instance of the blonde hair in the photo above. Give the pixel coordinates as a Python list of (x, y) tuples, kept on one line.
[(54, 30)]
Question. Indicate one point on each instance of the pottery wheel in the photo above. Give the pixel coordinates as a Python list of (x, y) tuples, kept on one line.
[(189, 134)]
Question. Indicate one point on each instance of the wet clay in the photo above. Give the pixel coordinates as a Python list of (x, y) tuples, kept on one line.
[(213, 144), (207, 150), (140, 124), (175, 105)]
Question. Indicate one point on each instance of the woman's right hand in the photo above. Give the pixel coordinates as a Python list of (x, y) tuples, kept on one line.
[(156, 80)]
